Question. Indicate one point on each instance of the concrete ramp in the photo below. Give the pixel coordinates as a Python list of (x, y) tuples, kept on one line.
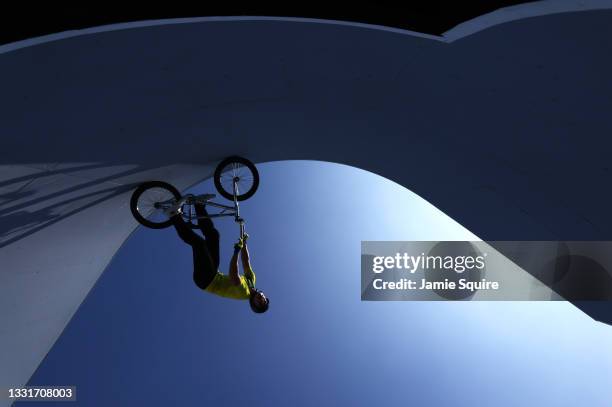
[(61, 226)]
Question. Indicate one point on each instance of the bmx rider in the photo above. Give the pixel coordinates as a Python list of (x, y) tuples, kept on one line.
[(206, 274)]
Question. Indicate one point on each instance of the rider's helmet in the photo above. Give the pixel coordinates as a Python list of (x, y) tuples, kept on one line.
[(256, 306)]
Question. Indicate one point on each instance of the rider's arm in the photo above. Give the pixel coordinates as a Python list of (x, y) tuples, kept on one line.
[(246, 263), (233, 269)]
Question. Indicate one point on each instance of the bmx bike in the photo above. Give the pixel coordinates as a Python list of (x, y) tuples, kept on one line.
[(154, 203)]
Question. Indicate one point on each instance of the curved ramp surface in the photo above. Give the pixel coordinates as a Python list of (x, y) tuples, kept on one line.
[(504, 130)]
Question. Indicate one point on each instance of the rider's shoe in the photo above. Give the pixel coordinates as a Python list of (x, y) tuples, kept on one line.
[(239, 245)]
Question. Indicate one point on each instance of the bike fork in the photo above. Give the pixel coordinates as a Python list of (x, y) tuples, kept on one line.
[(237, 208)]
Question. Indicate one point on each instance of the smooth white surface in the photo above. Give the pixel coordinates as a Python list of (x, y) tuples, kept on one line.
[(45, 275)]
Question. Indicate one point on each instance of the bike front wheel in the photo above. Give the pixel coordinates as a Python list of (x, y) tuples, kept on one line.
[(237, 169), (150, 203)]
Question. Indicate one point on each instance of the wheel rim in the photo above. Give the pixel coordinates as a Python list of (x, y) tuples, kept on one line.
[(146, 204), (240, 171)]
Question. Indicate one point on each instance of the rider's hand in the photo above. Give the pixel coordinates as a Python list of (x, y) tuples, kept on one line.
[(239, 245)]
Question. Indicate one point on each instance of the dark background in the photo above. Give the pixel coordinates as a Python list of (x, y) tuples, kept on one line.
[(432, 17)]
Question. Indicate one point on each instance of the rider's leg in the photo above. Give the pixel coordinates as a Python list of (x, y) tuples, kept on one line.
[(204, 271), (185, 232), (210, 233), (204, 222), (204, 267)]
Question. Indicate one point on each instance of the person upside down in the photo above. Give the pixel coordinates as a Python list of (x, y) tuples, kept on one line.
[(206, 274)]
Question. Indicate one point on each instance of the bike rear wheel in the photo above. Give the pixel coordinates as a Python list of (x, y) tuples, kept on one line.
[(150, 202), (241, 169)]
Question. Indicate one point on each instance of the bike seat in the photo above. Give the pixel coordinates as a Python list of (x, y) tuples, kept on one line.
[(205, 197)]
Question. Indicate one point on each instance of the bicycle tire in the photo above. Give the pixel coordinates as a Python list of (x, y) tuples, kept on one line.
[(139, 191), (239, 161)]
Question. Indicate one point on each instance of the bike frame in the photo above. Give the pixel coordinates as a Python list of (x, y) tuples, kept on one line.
[(226, 210)]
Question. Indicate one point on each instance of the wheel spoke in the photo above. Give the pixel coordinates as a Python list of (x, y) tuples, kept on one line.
[(232, 170), (146, 204)]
